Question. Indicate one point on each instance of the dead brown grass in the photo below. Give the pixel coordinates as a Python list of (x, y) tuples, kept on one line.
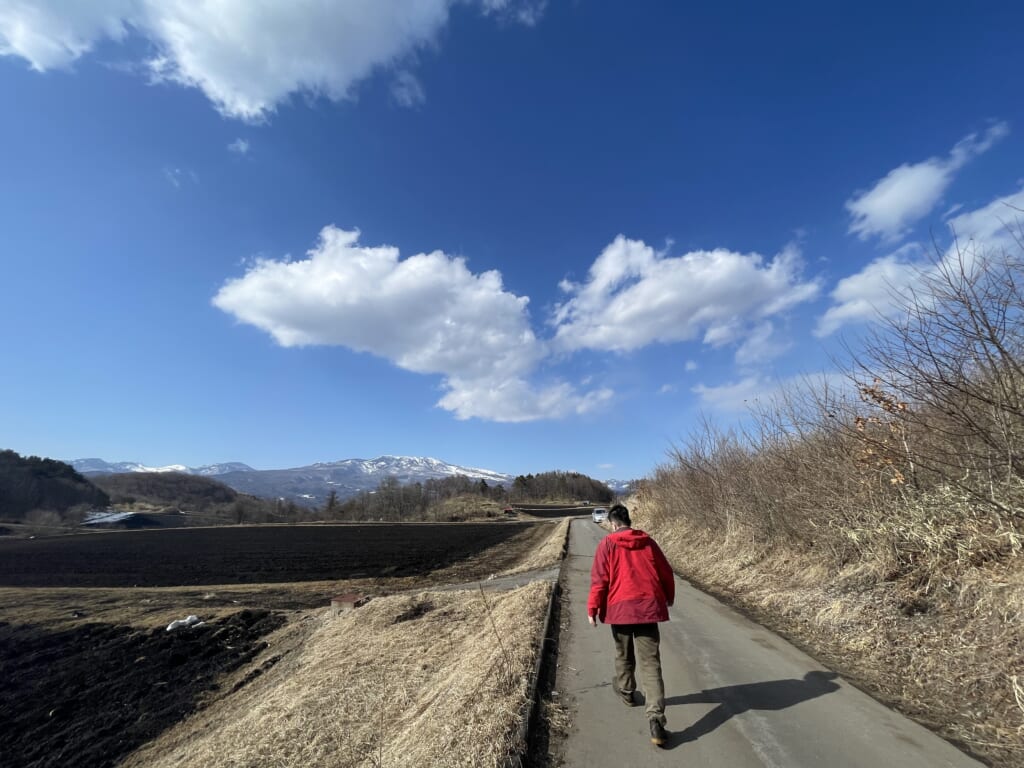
[(407, 680), (947, 655), (548, 554)]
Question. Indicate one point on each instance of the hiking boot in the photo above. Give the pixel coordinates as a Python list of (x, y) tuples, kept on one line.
[(626, 697), (658, 733)]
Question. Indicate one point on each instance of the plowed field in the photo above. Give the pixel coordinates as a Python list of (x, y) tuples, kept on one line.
[(244, 555)]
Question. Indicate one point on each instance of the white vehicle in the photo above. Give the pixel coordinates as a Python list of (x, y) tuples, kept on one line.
[(599, 515)]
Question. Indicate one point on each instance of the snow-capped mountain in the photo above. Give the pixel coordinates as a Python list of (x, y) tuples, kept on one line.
[(619, 486), (314, 483), (311, 484), (101, 467), (414, 467)]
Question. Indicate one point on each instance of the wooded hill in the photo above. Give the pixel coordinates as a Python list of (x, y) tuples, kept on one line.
[(165, 488), (430, 500), (29, 483)]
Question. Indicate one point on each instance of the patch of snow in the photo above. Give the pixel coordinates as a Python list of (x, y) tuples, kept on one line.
[(104, 516), (188, 621)]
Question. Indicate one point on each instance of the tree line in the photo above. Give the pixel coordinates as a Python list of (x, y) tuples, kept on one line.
[(427, 500), (29, 483)]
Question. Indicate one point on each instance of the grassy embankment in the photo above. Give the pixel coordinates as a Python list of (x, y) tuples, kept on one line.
[(436, 678), (882, 528)]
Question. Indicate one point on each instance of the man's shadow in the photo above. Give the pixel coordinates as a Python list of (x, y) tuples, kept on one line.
[(733, 700)]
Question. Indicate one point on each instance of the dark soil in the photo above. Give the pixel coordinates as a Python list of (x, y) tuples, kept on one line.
[(89, 696), (244, 555)]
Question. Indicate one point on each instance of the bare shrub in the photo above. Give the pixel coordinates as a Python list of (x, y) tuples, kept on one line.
[(900, 495)]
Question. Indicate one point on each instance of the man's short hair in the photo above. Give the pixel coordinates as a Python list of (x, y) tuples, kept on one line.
[(620, 515)]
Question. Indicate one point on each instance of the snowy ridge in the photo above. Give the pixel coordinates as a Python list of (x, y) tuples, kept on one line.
[(313, 484), (415, 466), (101, 467)]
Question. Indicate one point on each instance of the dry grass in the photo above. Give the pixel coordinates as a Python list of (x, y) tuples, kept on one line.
[(465, 508), (407, 680), (548, 554), (946, 653)]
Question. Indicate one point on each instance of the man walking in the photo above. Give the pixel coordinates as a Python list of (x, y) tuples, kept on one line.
[(631, 588)]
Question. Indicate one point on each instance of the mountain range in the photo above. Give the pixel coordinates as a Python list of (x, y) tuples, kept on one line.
[(312, 484)]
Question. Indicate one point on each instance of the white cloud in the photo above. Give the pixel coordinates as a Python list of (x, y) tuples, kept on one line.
[(994, 225), (875, 290), (406, 90), (178, 176), (239, 146), (53, 34), (739, 396), (691, 365), (910, 192), (667, 389), (247, 57), (634, 296), (735, 396), (527, 12), (427, 314), (761, 346)]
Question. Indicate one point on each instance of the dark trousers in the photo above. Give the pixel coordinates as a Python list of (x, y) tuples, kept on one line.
[(640, 642)]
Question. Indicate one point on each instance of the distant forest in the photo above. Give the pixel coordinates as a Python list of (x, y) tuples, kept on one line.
[(198, 493), (31, 483), (33, 488), (426, 500), (208, 501)]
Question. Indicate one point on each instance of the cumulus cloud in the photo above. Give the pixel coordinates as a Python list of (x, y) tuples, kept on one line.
[(910, 192), (994, 225), (731, 397), (739, 396), (691, 365), (426, 313), (634, 296), (875, 291), (247, 57), (761, 346), (53, 34), (239, 147)]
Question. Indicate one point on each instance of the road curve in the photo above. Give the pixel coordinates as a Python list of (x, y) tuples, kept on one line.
[(737, 695)]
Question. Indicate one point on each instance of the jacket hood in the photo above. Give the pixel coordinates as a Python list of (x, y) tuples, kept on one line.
[(631, 538)]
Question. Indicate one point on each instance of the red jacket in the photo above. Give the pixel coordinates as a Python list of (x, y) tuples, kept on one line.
[(631, 582)]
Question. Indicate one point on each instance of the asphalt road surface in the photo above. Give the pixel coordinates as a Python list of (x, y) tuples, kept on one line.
[(736, 695)]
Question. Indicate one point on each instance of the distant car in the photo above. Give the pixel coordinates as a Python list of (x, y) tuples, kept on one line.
[(599, 515)]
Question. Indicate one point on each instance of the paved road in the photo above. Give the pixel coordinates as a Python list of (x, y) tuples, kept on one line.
[(737, 695)]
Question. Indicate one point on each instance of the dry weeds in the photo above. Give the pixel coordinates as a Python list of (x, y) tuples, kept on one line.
[(407, 680), (943, 653), (548, 554)]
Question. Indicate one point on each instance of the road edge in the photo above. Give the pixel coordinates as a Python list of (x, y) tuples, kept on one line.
[(529, 709)]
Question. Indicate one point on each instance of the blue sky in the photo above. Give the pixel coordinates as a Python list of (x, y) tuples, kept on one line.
[(512, 234)]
